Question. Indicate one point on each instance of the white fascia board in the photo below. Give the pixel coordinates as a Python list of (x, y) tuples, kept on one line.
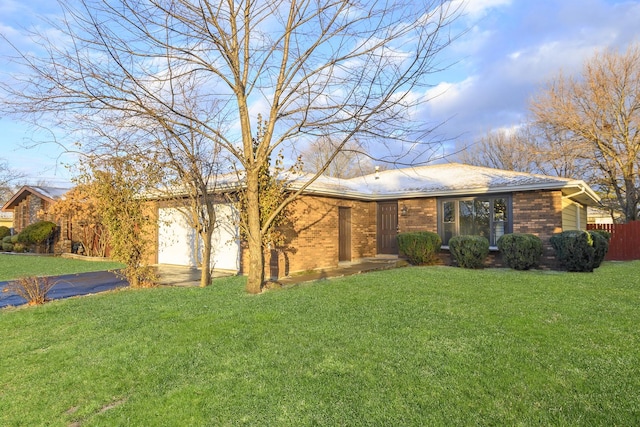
[(438, 193), (582, 189)]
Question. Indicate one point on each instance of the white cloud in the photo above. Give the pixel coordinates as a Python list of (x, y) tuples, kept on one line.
[(478, 8), (513, 49)]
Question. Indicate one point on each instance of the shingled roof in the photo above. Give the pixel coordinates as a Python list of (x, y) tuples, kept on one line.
[(451, 179), (50, 194), (441, 180)]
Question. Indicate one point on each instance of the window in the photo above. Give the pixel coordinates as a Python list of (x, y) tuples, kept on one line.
[(489, 217)]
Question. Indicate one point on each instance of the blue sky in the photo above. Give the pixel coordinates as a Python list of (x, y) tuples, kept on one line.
[(511, 49)]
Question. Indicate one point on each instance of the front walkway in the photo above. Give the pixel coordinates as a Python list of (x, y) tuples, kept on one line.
[(176, 275), (172, 275), (344, 269)]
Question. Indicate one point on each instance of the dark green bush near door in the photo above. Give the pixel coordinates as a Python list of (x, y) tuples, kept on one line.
[(469, 251), (520, 251), (420, 248), (580, 251)]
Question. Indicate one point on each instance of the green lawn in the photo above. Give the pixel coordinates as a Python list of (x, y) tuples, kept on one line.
[(414, 346), (14, 266)]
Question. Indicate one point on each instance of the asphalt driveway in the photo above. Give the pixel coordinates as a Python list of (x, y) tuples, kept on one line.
[(70, 285)]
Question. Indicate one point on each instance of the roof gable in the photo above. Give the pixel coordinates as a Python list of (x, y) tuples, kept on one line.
[(50, 194)]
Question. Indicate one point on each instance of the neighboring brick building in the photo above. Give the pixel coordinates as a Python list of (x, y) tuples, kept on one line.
[(343, 220), (31, 203)]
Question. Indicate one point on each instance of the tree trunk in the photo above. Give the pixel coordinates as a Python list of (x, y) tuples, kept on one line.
[(255, 274), (205, 274), (631, 202)]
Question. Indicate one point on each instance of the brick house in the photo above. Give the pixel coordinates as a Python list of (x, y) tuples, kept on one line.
[(30, 204), (343, 220)]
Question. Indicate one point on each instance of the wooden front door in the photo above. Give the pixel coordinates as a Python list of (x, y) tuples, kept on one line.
[(344, 234), (387, 227)]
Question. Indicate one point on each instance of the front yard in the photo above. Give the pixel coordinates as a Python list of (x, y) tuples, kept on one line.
[(413, 346), (13, 266)]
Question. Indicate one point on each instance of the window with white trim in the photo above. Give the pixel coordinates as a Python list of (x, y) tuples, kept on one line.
[(487, 216)]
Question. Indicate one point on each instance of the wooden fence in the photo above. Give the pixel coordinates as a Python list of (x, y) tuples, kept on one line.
[(625, 240)]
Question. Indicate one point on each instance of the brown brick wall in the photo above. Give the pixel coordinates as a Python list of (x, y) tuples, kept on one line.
[(313, 236), (418, 215), (539, 213), (535, 212)]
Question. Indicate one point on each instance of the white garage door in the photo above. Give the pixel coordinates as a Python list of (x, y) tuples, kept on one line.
[(179, 245)]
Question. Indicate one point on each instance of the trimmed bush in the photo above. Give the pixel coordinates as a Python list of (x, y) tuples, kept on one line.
[(4, 231), (469, 251), (7, 246), (580, 251), (19, 247), (6, 239), (600, 245), (37, 233), (420, 248), (603, 233), (520, 251)]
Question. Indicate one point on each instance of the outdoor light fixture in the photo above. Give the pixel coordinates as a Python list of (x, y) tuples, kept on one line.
[(404, 211)]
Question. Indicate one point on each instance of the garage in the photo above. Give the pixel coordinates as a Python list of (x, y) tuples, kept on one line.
[(178, 243)]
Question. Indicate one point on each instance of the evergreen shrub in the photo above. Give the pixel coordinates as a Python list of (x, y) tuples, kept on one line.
[(420, 248), (520, 251), (19, 247), (4, 231), (469, 251), (600, 245), (37, 233), (580, 251)]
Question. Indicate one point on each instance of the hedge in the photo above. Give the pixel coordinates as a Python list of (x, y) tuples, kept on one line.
[(420, 248), (36, 233), (469, 251), (520, 251), (580, 251)]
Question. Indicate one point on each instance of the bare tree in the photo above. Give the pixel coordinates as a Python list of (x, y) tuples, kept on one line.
[(183, 169), (350, 162), (527, 148), (311, 68), (597, 114), (9, 178), (507, 149), (193, 164)]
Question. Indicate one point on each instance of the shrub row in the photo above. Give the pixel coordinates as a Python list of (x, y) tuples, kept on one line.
[(575, 250), (36, 233)]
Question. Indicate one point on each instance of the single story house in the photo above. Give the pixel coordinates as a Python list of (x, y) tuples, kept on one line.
[(30, 204), (343, 220)]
